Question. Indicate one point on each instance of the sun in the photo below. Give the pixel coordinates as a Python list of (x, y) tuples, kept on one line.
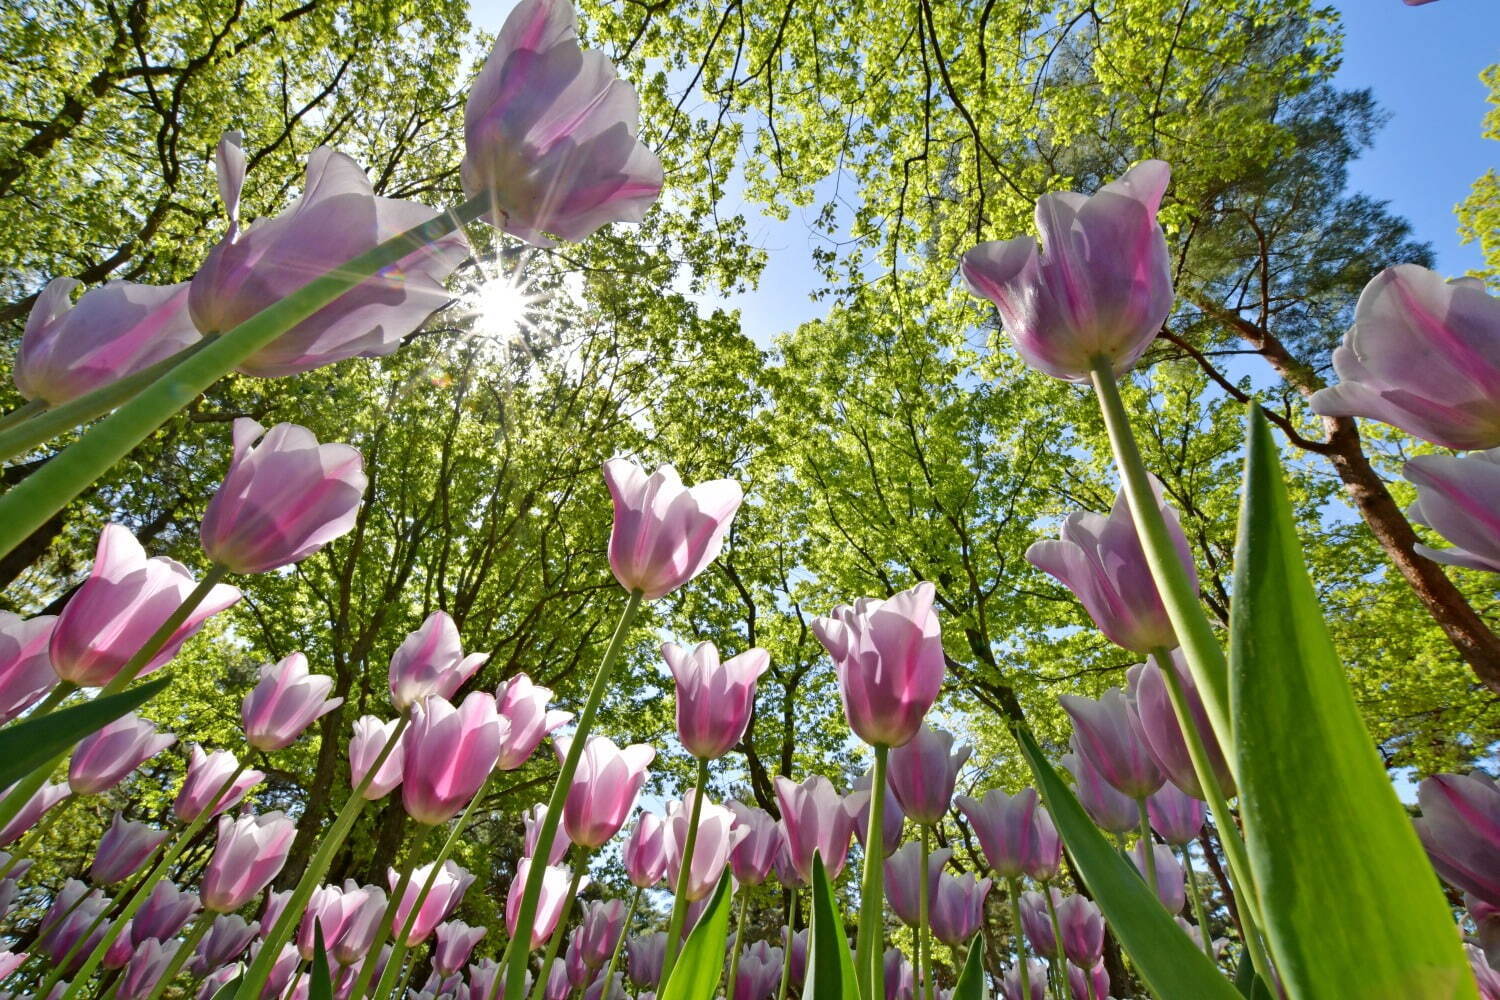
[(503, 308)]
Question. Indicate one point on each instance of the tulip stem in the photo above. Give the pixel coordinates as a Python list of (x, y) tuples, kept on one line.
[(383, 931), (924, 918), (1148, 846), (1013, 887), (514, 973), (1199, 913), (164, 633), (614, 956), (29, 504), (684, 876), (26, 411), (183, 952), (406, 972), (1059, 957), (791, 937), (869, 962), (734, 953), (398, 952), (260, 969), (554, 944)]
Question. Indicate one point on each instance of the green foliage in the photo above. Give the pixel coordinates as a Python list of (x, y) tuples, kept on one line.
[(701, 965), (1479, 213), (30, 743), (830, 965)]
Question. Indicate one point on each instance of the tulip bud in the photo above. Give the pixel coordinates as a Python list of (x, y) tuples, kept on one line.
[(644, 853), (1109, 809), (900, 981), (644, 955), (165, 913), (798, 943), (145, 969), (1156, 723), (958, 908), (599, 930), (1176, 816), (455, 943), (1047, 862), (250, 853), (902, 880), (923, 772), (604, 788), (447, 892), (759, 972), (1455, 495), (815, 818), (1006, 827), (664, 533), (430, 661), (1090, 984), (1082, 930), (26, 673), (450, 753), (363, 908), (1036, 980), (369, 738), (1106, 735), (755, 855), (103, 758), (1036, 920), (206, 776), (714, 699), (124, 849), (549, 907), (1170, 887), (716, 840), (35, 807), (1460, 827), (227, 938), (524, 706)]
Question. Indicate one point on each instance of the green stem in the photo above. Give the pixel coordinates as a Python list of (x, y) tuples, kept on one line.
[(516, 954), (367, 968), (1013, 884), (1198, 912), (46, 491), (26, 411), (684, 876), (1058, 958), (786, 957), (260, 969), (739, 933), (164, 633), (183, 952), (561, 930), (402, 946), (28, 842), (614, 956), (1148, 847), (869, 962), (924, 919), (405, 977)]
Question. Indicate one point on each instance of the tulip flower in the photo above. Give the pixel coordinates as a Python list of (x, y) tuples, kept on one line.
[(206, 776), (1460, 827), (1006, 827), (447, 892), (1485, 976), (363, 909), (103, 758), (550, 133), (665, 533), (1196, 933), (124, 849), (455, 943), (145, 968), (599, 930), (1456, 497), (165, 913), (40, 802), (11, 961), (902, 872), (1047, 861), (125, 599), (524, 706), (900, 981), (26, 673), (64, 902), (8, 889), (644, 954), (1088, 984), (282, 499), (558, 986), (714, 699), (923, 772), (1156, 723), (644, 853), (481, 979), (219, 978), (67, 921), (958, 908), (1176, 816), (365, 744), (1108, 808), (116, 956), (604, 788), (759, 972), (815, 817), (227, 938), (1109, 739), (450, 753), (555, 885), (1036, 980), (1486, 918), (601, 990), (890, 663), (716, 840), (892, 817), (1423, 355), (117, 329), (1036, 920), (532, 820), (324, 910), (288, 960), (1082, 930), (284, 703), (276, 902), (1171, 888), (430, 661), (798, 944), (1099, 289), (337, 218), (250, 853), (754, 856)]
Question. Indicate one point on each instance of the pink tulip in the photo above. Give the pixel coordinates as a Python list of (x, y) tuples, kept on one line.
[(26, 673), (10, 961), (754, 856), (714, 699), (815, 817), (450, 753), (282, 499), (1047, 861), (165, 913), (1101, 561), (532, 820), (892, 816), (430, 661), (717, 838), (276, 902), (550, 133), (285, 702), (1156, 723), (1036, 920), (1170, 886), (78, 931), (1175, 815), (250, 853), (599, 929), (524, 705), (1107, 736), (1007, 829), (1423, 355), (124, 849), (116, 956), (481, 979), (612, 990), (958, 908), (604, 788), (1456, 497), (759, 972), (447, 892), (206, 777), (903, 880), (549, 907), (217, 979), (644, 853), (1082, 928), (125, 599), (1485, 975), (665, 533), (1036, 981), (117, 329), (282, 970), (368, 740), (362, 909), (145, 969), (1460, 827), (325, 910), (227, 938), (1100, 288), (40, 802), (1090, 984), (104, 757), (455, 943), (889, 657), (923, 772), (644, 955), (337, 218), (1109, 809), (900, 981)]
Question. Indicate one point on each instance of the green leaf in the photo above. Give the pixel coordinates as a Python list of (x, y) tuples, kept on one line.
[(320, 987), (1248, 983), (971, 983), (1167, 959), (33, 743), (228, 989), (830, 966), (701, 964), (1347, 893)]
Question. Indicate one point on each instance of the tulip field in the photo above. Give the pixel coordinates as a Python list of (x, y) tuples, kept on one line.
[(422, 583)]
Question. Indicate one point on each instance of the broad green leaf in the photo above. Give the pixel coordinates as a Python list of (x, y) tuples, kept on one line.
[(1350, 900), (701, 964), (1248, 983), (971, 983), (229, 989), (32, 743), (320, 985), (830, 966), (1167, 959)]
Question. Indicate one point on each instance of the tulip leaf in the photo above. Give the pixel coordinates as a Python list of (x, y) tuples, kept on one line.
[(229, 989), (971, 983), (320, 984), (1166, 958), (701, 964), (1347, 893), (30, 744), (830, 966), (1248, 983)]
